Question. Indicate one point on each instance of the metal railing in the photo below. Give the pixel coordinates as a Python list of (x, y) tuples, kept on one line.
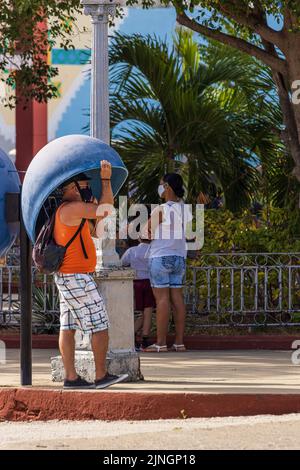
[(245, 289), (236, 289), (45, 302)]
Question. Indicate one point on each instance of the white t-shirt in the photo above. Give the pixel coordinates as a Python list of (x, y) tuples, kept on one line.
[(137, 258), (169, 237)]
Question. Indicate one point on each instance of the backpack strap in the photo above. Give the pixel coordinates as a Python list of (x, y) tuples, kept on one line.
[(83, 247), (81, 240)]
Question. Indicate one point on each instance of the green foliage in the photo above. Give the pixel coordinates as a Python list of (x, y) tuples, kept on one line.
[(276, 231), (45, 306), (246, 26), (23, 34), (208, 112)]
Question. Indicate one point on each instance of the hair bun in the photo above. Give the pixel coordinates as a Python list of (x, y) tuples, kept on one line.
[(175, 182)]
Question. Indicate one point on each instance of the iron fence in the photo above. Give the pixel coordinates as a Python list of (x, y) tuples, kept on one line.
[(236, 289), (45, 301), (245, 289)]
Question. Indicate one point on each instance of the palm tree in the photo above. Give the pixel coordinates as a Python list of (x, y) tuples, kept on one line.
[(204, 111)]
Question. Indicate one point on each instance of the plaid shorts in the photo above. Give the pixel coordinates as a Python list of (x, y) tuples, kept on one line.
[(81, 305)]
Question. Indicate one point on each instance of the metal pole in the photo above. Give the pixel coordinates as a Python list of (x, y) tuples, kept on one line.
[(26, 306), (99, 11), (99, 85)]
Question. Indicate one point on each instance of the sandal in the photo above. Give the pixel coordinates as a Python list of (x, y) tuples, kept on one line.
[(156, 348), (178, 348)]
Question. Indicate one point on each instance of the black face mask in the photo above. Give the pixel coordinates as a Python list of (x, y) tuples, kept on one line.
[(85, 193)]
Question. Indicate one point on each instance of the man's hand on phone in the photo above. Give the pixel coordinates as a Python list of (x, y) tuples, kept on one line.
[(105, 170)]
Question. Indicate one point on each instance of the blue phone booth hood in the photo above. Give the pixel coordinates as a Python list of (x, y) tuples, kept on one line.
[(9, 183), (57, 162)]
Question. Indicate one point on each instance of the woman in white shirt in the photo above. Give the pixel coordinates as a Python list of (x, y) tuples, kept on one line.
[(167, 260)]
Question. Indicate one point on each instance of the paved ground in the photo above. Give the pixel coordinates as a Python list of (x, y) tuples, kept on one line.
[(259, 432), (198, 371)]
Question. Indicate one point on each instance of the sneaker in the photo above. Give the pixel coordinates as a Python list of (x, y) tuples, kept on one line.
[(78, 383), (109, 380), (145, 342)]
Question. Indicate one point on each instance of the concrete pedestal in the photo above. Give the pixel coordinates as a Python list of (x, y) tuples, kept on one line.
[(128, 363), (116, 287)]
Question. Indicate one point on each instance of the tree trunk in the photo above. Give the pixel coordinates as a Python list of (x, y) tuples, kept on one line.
[(170, 166), (285, 71), (293, 60), (290, 135)]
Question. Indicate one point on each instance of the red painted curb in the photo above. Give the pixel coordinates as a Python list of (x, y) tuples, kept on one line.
[(238, 342), (42, 405), (198, 342), (12, 341)]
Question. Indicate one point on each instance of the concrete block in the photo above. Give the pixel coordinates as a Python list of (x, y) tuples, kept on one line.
[(121, 363)]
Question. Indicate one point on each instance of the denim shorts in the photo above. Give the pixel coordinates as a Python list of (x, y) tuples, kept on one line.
[(167, 271)]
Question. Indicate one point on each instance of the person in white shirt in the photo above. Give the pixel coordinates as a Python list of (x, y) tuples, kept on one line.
[(137, 258), (167, 260)]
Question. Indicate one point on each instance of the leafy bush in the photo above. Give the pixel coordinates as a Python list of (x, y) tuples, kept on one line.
[(277, 230)]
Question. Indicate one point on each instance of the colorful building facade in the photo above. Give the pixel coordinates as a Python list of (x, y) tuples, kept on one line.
[(68, 114)]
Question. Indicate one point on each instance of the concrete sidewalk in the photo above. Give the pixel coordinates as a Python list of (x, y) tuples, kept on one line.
[(240, 433), (195, 384), (213, 372)]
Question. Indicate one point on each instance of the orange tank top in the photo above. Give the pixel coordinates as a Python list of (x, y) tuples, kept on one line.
[(74, 260)]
